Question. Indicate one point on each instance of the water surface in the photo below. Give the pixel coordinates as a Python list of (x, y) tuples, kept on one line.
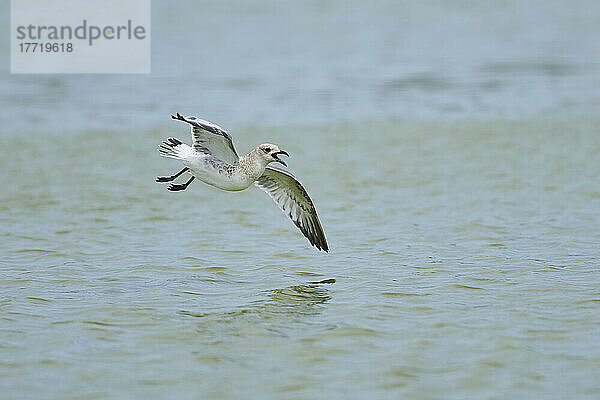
[(452, 152)]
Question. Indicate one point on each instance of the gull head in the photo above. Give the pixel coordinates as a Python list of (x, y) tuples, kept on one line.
[(270, 153)]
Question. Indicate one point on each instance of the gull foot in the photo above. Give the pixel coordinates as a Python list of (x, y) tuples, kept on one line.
[(175, 188)]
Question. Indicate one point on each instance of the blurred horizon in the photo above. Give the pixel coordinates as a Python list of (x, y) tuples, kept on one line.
[(316, 62)]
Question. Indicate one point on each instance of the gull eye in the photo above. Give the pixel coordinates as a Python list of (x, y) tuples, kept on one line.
[(267, 149)]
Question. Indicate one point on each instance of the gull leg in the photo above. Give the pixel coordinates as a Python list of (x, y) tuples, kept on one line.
[(172, 177), (175, 188)]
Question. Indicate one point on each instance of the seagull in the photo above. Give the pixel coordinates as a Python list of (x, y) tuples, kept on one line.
[(213, 160)]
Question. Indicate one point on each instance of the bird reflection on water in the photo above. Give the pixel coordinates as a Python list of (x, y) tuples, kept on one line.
[(301, 298), (283, 312)]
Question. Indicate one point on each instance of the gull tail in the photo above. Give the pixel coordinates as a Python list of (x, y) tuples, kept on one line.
[(174, 148)]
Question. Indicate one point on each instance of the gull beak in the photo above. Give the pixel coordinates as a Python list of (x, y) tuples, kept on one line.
[(279, 160)]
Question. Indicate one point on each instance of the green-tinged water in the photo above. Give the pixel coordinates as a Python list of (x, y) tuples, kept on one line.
[(465, 256), (452, 150)]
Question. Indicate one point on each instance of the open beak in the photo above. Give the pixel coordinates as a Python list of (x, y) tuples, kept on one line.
[(279, 160)]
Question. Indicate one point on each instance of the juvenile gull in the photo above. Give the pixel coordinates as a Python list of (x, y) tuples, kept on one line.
[(213, 159)]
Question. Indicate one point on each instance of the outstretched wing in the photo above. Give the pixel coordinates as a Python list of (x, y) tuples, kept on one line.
[(293, 200), (210, 139)]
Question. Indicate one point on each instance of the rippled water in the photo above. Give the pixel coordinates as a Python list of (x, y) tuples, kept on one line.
[(457, 185)]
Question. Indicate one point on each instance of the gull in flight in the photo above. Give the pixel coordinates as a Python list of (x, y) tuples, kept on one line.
[(213, 159)]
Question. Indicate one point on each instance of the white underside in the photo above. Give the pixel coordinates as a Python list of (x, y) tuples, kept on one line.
[(215, 174)]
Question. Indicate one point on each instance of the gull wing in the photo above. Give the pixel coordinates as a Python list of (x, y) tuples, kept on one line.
[(293, 200), (210, 139)]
